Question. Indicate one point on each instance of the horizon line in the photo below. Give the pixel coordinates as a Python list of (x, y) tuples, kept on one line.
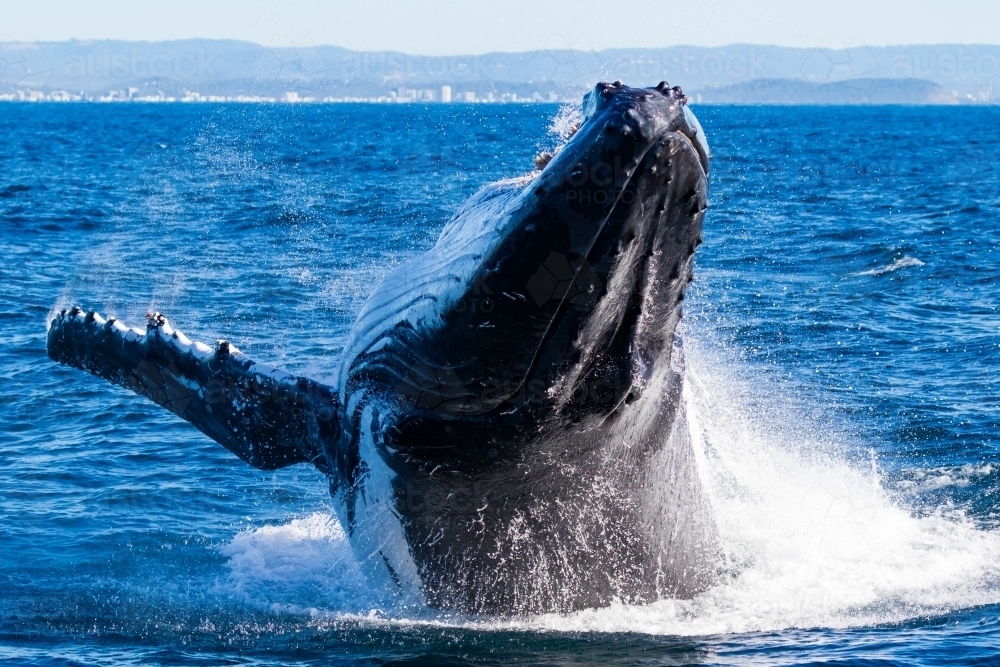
[(89, 41)]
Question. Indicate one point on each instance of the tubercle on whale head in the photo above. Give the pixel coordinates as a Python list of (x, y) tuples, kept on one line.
[(583, 180), (642, 108), (586, 177)]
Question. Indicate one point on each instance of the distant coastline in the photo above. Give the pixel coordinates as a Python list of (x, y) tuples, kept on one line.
[(763, 92), (290, 97), (193, 71)]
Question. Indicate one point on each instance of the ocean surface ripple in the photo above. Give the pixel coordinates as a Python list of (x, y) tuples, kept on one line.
[(842, 335)]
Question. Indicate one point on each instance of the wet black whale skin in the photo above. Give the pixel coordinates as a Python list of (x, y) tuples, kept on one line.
[(522, 380)]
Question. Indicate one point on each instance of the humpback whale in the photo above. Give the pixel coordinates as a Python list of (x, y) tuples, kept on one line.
[(507, 433)]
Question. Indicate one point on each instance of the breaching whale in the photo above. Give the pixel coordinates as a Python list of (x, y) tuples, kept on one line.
[(507, 432)]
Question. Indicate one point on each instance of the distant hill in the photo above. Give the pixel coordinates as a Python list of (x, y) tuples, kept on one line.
[(747, 73), (854, 91)]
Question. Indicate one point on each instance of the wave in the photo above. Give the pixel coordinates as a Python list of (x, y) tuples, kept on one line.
[(942, 477), (903, 262)]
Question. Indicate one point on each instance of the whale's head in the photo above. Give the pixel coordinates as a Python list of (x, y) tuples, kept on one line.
[(514, 394), (624, 201), (550, 296)]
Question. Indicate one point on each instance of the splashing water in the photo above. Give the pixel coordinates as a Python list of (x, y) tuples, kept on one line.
[(810, 539), (566, 121)]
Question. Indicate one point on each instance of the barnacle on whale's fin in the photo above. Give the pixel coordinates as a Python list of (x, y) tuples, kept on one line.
[(267, 417)]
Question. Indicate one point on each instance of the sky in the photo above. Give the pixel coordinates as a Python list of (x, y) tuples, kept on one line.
[(449, 27)]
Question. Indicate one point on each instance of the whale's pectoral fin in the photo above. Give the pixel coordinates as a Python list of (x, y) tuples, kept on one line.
[(267, 417)]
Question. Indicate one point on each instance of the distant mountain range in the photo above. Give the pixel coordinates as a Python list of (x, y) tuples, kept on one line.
[(853, 91), (737, 74)]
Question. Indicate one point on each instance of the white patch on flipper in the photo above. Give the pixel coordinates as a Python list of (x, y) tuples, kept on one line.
[(201, 350), (275, 374)]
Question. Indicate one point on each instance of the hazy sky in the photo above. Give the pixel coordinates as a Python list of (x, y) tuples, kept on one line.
[(452, 27)]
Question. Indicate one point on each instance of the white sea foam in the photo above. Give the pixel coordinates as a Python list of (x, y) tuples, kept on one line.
[(903, 262), (301, 565), (933, 479), (810, 539)]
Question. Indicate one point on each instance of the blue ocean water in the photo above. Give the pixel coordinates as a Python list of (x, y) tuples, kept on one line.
[(843, 341)]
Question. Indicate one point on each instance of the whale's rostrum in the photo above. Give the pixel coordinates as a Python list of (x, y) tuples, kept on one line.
[(507, 434)]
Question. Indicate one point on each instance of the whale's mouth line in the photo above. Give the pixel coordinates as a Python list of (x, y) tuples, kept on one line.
[(532, 366), (633, 177), (694, 149)]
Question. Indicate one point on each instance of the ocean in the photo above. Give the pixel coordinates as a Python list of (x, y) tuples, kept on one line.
[(842, 339)]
